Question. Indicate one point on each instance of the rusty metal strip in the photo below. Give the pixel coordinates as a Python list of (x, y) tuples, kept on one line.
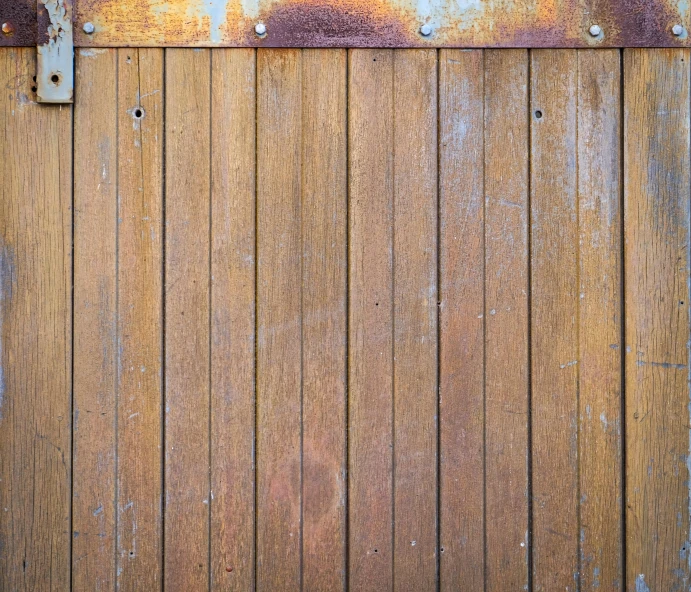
[(55, 57), (364, 23)]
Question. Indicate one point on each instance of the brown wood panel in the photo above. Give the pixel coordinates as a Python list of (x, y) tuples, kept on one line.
[(415, 320), (233, 111), (95, 320), (461, 356), (370, 333), (600, 319), (656, 226), (35, 332), (279, 320), (187, 324), (324, 295), (140, 318), (554, 320), (506, 320)]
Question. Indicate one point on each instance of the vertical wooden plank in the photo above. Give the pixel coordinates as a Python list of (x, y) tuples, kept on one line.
[(187, 261), (324, 223), (370, 341), (95, 319), (35, 332), (140, 318), (554, 318), (279, 318), (600, 310), (232, 328), (506, 314), (461, 357), (656, 222), (415, 319)]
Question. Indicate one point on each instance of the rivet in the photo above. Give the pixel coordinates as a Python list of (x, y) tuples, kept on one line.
[(426, 30), (89, 28), (7, 28), (678, 30), (595, 30), (260, 29)]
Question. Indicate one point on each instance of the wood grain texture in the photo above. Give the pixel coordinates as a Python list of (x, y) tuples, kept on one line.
[(95, 320), (233, 110), (140, 319), (370, 340), (554, 320), (506, 320), (461, 356), (279, 320), (656, 229), (600, 319), (415, 320), (187, 331), (35, 332), (324, 295)]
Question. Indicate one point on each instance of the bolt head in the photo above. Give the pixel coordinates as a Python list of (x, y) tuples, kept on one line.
[(426, 30), (678, 30), (89, 28), (260, 29), (595, 30), (7, 28)]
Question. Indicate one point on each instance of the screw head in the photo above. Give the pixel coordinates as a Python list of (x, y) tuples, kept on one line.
[(7, 28), (260, 29), (678, 30), (595, 30), (89, 28), (426, 30)]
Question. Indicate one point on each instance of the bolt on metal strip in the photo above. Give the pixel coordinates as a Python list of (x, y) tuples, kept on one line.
[(55, 57)]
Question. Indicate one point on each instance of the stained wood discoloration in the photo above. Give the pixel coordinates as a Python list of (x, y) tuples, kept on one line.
[(187, 323), (95, 304), (657, 184), (600, 320), (415, 320), (324, 302), (233, 269), (461, 355), (370, 339), (140, 319), (279, 320), (506, 320), (35, 333), (554, 320)]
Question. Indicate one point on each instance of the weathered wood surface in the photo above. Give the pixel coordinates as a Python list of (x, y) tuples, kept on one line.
[(330, 320), (657, 185)]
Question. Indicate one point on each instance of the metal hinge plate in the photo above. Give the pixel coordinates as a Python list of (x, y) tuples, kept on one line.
[(55, 52)]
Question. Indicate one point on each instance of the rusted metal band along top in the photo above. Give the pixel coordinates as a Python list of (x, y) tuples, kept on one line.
[(362, 23)]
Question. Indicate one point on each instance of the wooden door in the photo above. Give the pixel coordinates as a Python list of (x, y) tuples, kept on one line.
[(329, 319)]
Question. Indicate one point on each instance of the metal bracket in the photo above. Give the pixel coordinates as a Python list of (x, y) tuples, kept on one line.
[(55, 52), (347, 23)]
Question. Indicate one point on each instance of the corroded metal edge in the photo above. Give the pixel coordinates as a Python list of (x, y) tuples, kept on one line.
[(55, 52), (364, 23)]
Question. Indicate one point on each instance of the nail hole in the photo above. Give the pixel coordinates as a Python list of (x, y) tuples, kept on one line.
[(538, 114), (138, 113), (442, 549), (34, 78), (55, 78), (131, 553), (376, 550), (33, 89)]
